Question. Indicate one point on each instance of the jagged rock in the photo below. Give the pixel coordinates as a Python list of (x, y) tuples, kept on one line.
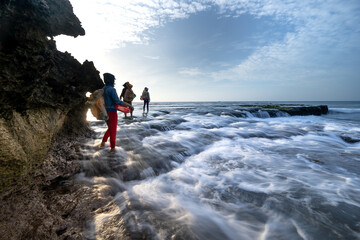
[(306, 110), (43, 90), (292, 110), (33, 20), (48, 205), (42, 118)]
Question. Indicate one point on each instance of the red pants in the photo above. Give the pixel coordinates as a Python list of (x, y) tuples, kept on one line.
[(111, 131)]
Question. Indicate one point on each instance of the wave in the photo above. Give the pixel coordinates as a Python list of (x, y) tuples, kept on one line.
[(227, 172), (343, 110)]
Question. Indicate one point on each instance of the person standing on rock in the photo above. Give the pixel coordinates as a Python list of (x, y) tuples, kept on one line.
[(122, 95), (129, 97), (111, 98), (145, 96), (125, 86)]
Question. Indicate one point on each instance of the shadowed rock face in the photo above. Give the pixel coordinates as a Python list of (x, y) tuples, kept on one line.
[(42, 90), (35, 19)]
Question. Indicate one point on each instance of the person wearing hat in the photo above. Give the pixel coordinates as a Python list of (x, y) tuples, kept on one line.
[(129, 97), (122, 95), (146, 97), (111, 98), (125, 86)]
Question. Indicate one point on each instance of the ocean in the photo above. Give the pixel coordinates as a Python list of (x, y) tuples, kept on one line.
[(217, 170)]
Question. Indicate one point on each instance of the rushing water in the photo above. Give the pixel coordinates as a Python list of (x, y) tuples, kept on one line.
[(221, 171)]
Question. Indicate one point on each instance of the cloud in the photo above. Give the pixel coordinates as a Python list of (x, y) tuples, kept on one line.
[(113, 23), (152, 57), (118, 22), (322, 31), (191, 72)]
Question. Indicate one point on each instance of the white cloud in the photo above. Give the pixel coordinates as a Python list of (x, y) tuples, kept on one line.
[(302, 54), (152, 57), (113, 24), (191, 72), (322, 33)]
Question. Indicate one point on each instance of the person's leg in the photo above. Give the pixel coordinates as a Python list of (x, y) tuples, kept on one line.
[(147, 105), (106, 135), (113, 118), (144, 106), (125, 113), (131, 113)]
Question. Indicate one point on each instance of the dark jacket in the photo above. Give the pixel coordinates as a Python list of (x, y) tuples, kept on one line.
[(122, 95), (111, 98)]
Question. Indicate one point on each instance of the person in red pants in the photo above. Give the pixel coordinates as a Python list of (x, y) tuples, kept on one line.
[(111, 98)]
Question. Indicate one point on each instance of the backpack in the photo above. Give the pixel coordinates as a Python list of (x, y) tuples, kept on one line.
[(97, 105), (144, 95)]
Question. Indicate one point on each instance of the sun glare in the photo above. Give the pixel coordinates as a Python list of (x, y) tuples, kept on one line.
[(90, 117)]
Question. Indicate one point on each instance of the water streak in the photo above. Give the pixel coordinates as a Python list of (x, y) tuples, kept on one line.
[(219, 171)]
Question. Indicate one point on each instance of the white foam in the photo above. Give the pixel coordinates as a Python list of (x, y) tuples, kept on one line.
[(224, 167), (344, 110)]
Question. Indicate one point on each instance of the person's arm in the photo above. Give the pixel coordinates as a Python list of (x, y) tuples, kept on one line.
[(118, 101), (122, 93), (148, 96)]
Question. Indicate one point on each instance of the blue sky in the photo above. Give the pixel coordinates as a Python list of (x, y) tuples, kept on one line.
[(217, 50)]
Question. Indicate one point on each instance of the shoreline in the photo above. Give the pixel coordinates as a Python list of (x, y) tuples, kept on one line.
[(50, 203), (53, 203)]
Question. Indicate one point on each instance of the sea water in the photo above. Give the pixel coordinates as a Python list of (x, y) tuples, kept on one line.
[(220, 171)]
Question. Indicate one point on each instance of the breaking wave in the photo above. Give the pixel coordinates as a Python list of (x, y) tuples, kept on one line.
[(217, 171)]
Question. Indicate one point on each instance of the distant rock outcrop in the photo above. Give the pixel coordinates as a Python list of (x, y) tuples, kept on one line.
[(279, 110), (299, 110), (42, 90)]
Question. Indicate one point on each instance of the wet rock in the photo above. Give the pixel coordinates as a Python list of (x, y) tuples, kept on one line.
[(49, 205), (292, 110), (349, 139), (61, 231), (306, 110)]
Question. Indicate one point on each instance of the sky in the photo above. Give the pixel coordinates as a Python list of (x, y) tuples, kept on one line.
[(224, 50)]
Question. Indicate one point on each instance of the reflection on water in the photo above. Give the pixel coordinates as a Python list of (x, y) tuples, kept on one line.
[(217, 171)]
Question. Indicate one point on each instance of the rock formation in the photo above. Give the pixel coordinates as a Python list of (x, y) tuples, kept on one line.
[(42, 115), (42, 90), (299, 110), (290, 109)]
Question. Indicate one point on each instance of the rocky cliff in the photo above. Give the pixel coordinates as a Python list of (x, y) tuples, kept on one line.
[(42, 90)]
